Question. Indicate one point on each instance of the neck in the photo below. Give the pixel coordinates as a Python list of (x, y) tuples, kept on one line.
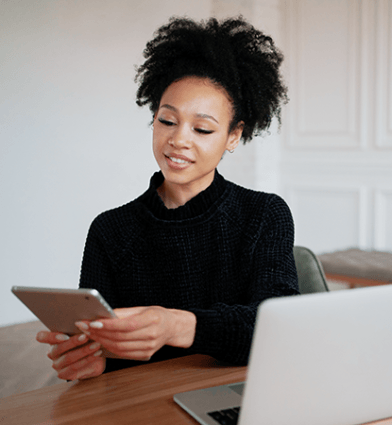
[(176, 195)]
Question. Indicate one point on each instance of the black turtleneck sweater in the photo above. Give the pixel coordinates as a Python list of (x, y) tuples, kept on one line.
[(218, 256)]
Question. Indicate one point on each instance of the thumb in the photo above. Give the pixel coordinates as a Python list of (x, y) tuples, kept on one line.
[(123, 313)]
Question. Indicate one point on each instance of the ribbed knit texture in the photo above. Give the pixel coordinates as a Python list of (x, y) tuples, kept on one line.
[(218, 256)]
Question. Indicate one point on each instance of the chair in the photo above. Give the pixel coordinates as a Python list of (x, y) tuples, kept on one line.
[(310, 272)]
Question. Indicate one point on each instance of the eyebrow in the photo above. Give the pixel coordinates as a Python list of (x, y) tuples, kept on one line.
[(172, 108)]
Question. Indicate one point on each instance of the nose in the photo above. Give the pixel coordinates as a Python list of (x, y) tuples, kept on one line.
[(181, 137)]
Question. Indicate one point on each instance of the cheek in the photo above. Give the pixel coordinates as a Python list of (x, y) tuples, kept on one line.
[(157, 137), (156, 146), (213, 152)]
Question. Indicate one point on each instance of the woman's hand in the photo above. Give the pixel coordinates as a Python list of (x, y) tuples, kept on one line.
[(73, 357), (139, 332)]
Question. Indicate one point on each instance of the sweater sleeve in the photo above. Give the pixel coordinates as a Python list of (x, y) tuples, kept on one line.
[(96, 271), (225, 331)]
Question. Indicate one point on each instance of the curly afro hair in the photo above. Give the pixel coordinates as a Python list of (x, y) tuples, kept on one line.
[(231, 53)]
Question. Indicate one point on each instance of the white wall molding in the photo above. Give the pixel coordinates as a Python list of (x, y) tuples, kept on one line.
[(372, 183), (383, 48), (345, 167), (382, 221), (329, 217), (324, 112), (330, 163), (368, 72)]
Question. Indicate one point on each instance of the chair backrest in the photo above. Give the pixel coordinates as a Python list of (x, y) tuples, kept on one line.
[(310, 272)]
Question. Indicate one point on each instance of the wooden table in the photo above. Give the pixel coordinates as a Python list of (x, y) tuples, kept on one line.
[(140, 395), (357, 267)]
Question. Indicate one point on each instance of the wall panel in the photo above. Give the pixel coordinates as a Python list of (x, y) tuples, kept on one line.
[(384, 75), (328, 218), (325, 74), (383, 222), (336, 168)]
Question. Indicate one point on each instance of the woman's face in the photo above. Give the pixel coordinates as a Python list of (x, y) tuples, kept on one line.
[(191, 132)]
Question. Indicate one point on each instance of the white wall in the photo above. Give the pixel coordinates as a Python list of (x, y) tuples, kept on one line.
[(257, 164), (337, 157), (73, 142)]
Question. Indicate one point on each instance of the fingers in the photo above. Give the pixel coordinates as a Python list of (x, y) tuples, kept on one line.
[(71, 357), (126, 347), (144, 334), (128, 320), (141, 354), (122, 313), (47, 337), (130, 348), (88, 367), (68, 345), (110, 355), (137, 334), (74, 357)]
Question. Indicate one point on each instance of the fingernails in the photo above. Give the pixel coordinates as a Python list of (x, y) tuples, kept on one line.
[(62, 337), (96, 325), (82, 337), (81, 325), (86, 373), (95, 346), (58, 361), (97, 353), (40, 335)]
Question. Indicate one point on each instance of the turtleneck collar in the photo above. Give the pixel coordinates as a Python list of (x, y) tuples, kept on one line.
[(195, 207)]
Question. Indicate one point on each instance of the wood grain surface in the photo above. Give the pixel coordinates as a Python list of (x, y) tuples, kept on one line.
[(139, 395)]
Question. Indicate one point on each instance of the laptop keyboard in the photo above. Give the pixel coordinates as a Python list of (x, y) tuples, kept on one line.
[(226, 417)]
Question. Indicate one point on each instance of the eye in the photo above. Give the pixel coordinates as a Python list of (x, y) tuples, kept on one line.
[(202, 131), (166, 122)]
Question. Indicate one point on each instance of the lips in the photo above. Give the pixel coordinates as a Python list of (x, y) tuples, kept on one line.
[(179, 159), (178, 162)]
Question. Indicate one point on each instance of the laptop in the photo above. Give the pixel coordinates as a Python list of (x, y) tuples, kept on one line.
[(317, 359)]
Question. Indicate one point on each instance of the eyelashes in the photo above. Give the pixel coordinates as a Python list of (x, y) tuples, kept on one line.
[(202, 131), (171, 124), (165, 122)]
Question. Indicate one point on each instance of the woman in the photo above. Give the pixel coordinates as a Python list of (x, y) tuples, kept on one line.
[(186, 264)]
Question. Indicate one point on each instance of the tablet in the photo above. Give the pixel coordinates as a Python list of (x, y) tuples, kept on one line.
[(59, 309)]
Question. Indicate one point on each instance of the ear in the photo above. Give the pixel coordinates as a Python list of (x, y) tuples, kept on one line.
[(235, 136)]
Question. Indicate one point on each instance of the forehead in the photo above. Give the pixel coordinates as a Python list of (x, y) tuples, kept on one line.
[(198, 95)]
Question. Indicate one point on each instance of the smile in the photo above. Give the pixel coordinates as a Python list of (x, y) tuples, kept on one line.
[(179, 161)]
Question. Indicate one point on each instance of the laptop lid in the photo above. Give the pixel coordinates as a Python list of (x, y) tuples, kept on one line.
[(322, 359)]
